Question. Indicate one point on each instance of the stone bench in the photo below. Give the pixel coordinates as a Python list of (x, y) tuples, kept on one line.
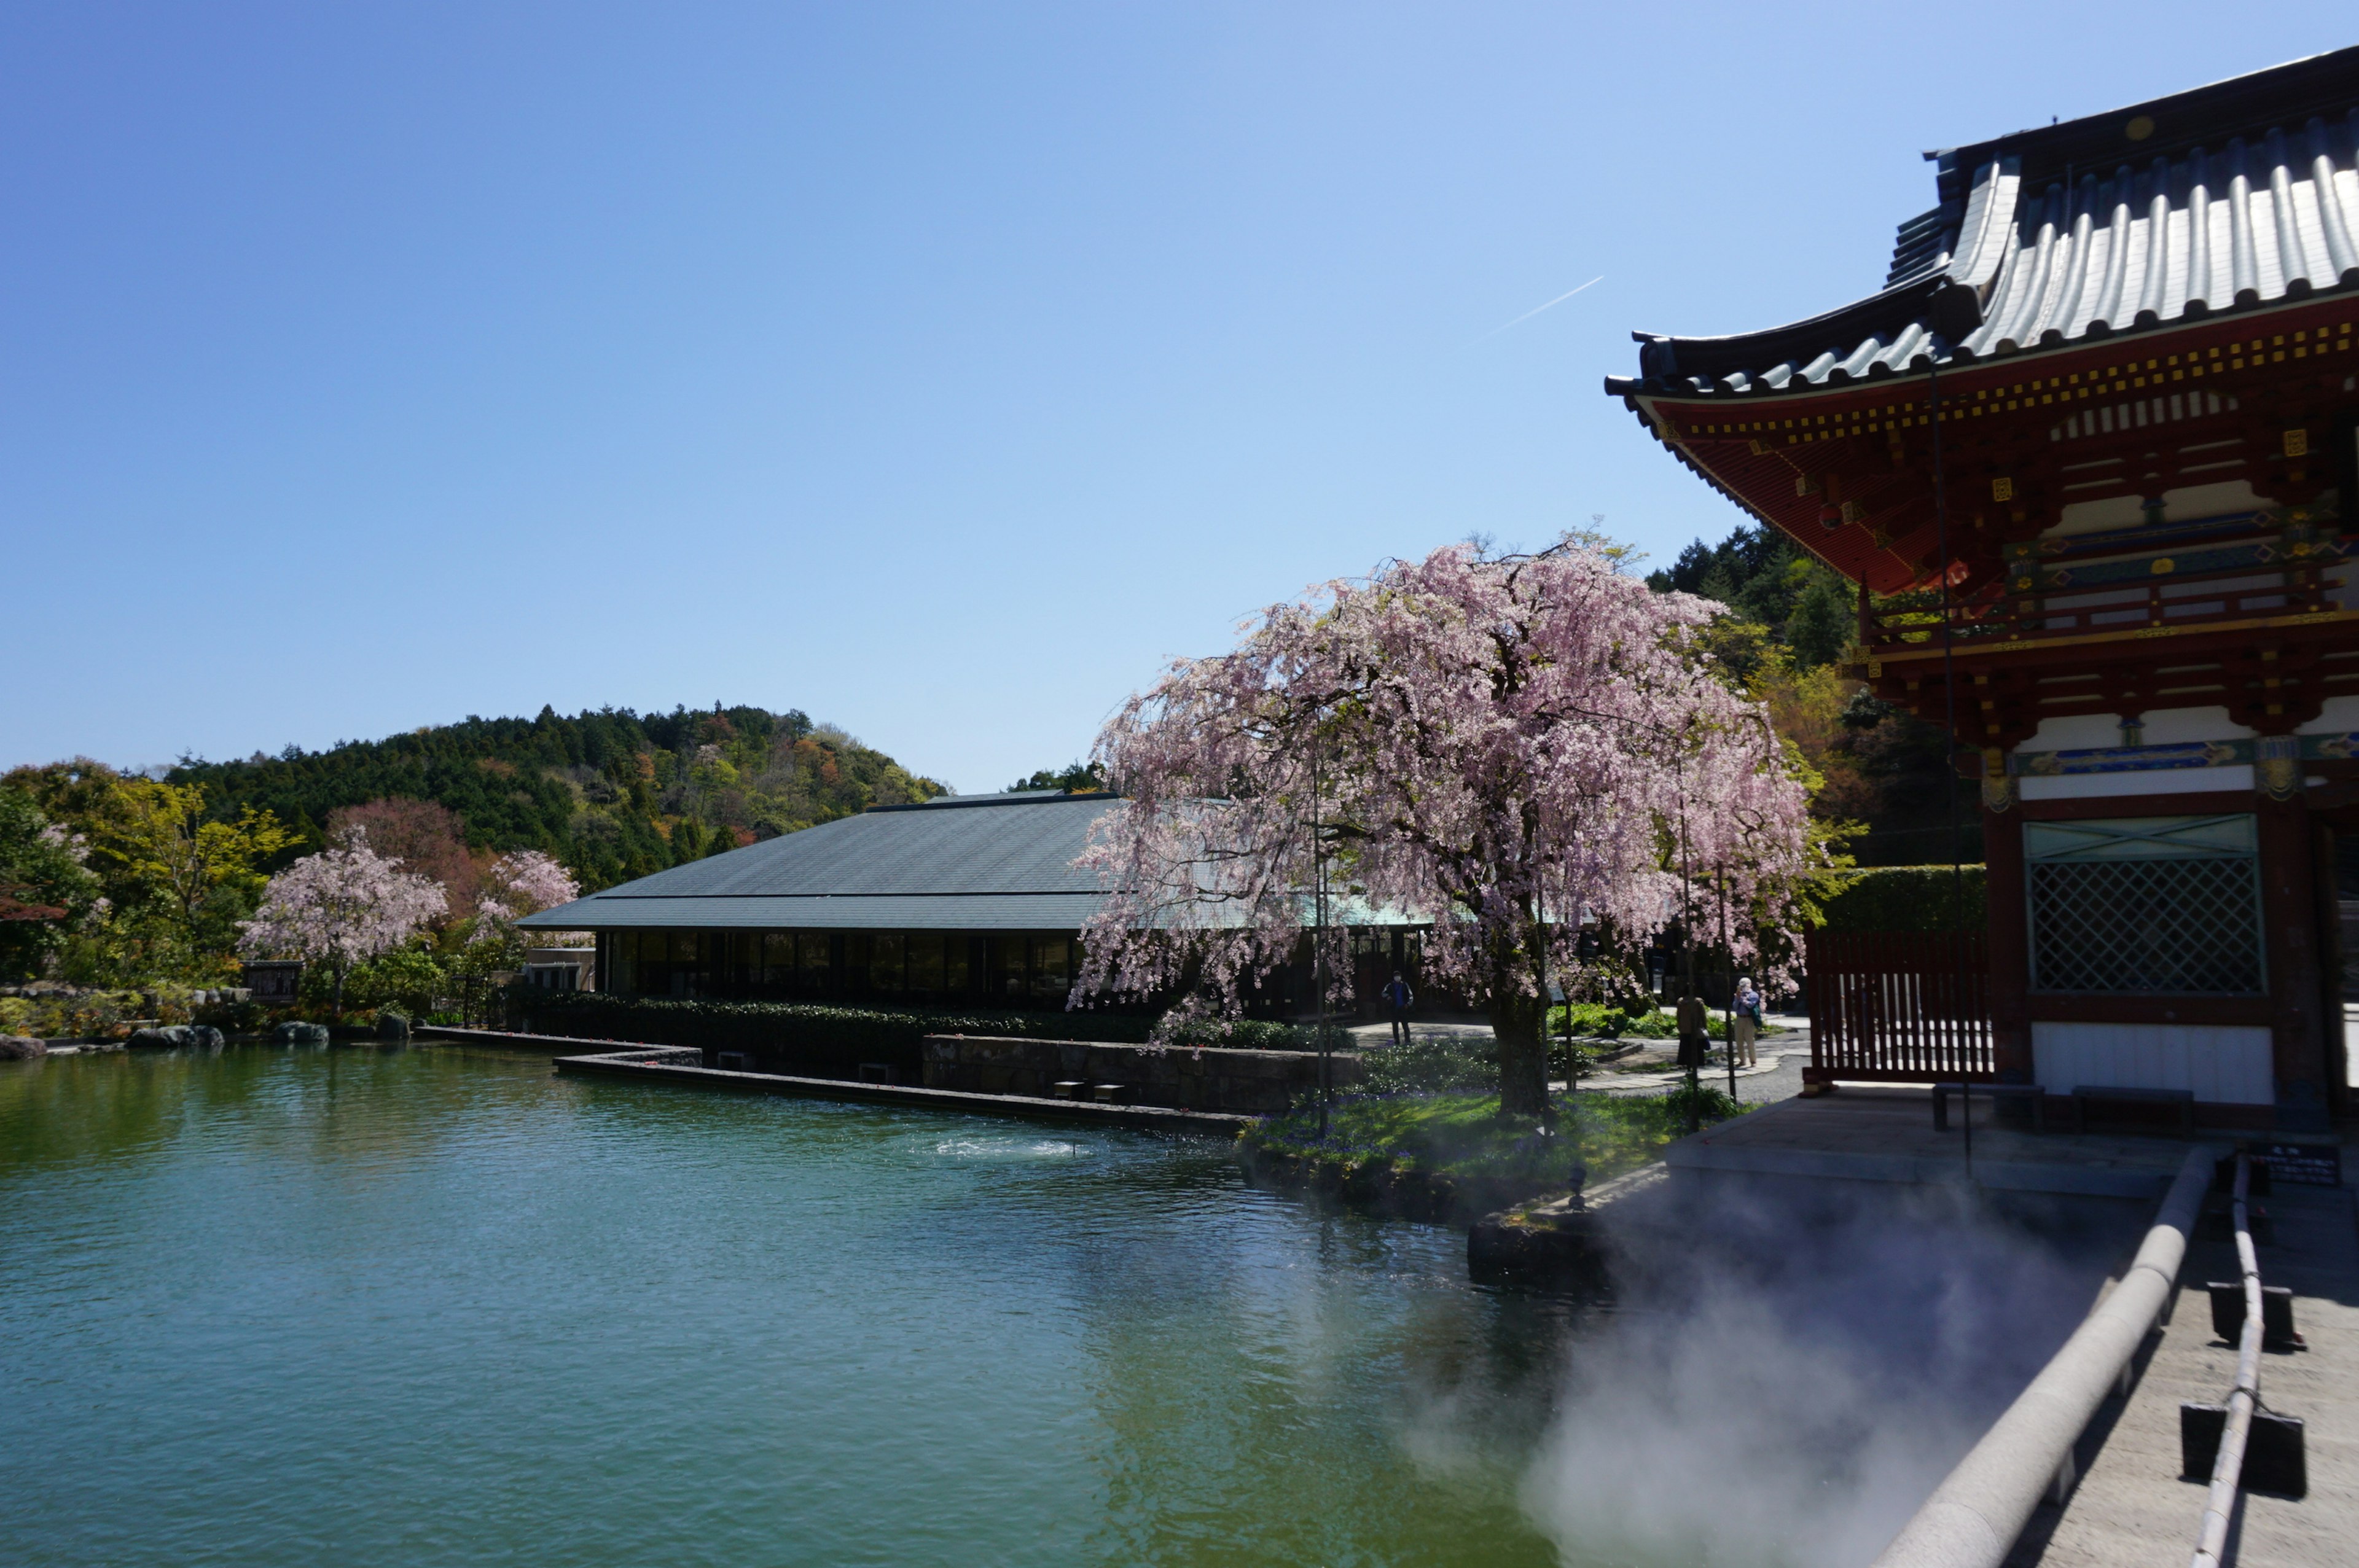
[(2032, 1092), (2083, 1093)]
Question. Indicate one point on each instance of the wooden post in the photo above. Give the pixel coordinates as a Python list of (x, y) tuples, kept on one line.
[(2288, 923), (2010, 946)]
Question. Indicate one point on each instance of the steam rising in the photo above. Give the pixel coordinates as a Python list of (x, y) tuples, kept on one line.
[(1793, 1372)]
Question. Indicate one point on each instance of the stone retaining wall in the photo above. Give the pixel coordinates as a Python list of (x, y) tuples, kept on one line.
[(1186, 1077)]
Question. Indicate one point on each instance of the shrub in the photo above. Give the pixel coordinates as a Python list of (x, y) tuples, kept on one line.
[(1907, 898), (1431, 1067), (406, 980)]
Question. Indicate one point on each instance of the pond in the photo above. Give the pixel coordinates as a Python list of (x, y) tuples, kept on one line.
[(437, 1306)]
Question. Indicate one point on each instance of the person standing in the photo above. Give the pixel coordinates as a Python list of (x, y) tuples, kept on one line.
[(1695, 1032), (1747, 1022), (1399, 997)]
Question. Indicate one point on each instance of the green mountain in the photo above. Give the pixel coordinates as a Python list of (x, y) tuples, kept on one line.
[(614, 795)]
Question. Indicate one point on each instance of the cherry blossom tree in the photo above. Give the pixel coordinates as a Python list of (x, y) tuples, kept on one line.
[(1501, 747), (340, 906), (521, 882)]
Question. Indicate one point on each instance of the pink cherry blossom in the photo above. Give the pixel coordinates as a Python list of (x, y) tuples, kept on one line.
[(340, 906), (521, 882), (1503, 748), (526, 881)]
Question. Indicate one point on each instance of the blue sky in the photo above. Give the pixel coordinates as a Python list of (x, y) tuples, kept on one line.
[(939, 370)]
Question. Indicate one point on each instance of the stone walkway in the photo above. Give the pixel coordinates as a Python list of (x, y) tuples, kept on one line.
[(1778, 1075), (2132, 1508)]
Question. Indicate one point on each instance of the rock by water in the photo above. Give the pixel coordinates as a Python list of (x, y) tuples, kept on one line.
[(299, 1035), (22, 1048), (174, 1036)]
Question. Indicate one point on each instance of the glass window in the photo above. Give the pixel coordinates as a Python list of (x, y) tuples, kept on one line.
[(2147, 903), (813, 949), (778, 959), (1053, 972), (885, 976), (925, 950), (954, 951), (1008, 970)]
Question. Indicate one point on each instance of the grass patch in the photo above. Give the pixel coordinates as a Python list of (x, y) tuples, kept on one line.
[(1595, 1018), (1457, 1134)]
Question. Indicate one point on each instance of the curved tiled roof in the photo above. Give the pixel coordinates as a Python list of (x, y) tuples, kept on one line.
[(2231, 197)]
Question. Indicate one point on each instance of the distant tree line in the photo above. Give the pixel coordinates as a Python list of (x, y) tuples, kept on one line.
[(119, 878), (610, 793)]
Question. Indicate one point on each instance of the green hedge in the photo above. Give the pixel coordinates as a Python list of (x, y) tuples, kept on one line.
[(816, 1037), (1907, 898)]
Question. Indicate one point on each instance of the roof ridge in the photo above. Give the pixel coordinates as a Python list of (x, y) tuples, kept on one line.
[(1010, 797)]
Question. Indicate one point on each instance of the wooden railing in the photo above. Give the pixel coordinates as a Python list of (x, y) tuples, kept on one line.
[(1898, 1006), (2107, 584), (2121, 608)]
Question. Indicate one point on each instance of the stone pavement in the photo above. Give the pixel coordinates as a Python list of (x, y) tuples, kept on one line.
[(2130, 1506), (1777, 1077), (1884, 1133)]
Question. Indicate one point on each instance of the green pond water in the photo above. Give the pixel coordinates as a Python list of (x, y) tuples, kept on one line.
[(437, 1306)]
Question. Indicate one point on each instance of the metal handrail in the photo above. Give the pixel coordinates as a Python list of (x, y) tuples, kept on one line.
[(2228, 1468), (1972, 1519)]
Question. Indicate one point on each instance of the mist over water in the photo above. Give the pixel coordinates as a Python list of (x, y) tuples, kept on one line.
[(1798, 1365)]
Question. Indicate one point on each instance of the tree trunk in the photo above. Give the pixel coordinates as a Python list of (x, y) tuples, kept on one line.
[(1518, 1023), (338, 1004)]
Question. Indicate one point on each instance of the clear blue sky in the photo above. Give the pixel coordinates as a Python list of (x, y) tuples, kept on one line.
[(939, 370)]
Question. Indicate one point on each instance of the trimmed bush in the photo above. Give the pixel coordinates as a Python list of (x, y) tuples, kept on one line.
[(1907, 898), (823, 1039)]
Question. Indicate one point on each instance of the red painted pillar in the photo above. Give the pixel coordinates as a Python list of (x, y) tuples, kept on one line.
[(2010, 944), (2288, 916)]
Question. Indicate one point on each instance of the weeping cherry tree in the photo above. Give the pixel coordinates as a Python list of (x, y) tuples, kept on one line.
[(1504, 748)]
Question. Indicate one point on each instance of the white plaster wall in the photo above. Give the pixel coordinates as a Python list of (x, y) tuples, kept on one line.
[(2076, 732), (2172, 726), (2168, 781), (2182, 505), (2164, 726), (2336, 716), (2224, 1065)]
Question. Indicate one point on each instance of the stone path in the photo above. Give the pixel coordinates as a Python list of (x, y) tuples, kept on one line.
[(1778, 1075)]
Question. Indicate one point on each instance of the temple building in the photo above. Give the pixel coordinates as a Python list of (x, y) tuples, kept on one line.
[(961, 902), (2090, 457)]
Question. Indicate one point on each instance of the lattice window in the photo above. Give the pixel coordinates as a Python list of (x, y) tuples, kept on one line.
[(2145, 904)]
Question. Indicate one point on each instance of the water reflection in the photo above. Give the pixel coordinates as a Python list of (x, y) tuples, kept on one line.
[(435, 1306)]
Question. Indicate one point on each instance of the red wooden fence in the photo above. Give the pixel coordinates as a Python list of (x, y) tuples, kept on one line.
[(1900, 1007)]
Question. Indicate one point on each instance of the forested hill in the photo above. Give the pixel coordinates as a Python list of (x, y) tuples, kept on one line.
[(614, 795)]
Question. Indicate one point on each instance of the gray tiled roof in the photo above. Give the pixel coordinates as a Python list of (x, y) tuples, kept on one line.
[(2231, 197), (970, 863)]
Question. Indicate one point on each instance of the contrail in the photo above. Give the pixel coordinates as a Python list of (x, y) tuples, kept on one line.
[(1536, 310)]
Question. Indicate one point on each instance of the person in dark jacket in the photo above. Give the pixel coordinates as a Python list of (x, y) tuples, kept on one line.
[(1695, 1032), (1399, 998)]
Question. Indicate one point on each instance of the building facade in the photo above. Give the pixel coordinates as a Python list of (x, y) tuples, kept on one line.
[(2092, 457), (964, 901)]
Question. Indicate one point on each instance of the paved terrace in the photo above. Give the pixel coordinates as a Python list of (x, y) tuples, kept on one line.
[(1886, 1134), (2131, 1508)]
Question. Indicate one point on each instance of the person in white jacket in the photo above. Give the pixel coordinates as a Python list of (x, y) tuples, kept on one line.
[(1747, 1021)]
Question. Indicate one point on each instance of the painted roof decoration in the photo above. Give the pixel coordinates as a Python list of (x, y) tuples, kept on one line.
[(2230, 197), (960, 863)]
